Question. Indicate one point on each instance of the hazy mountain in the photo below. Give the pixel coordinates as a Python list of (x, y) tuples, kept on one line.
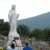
[(41, 21)]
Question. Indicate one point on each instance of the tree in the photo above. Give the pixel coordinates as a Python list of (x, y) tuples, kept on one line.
[(37, 33), (5, 28), (46, 33), (23, 30), (1, 27), (31, 34)]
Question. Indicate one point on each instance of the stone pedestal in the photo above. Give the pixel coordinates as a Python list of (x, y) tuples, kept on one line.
[(14, 36)]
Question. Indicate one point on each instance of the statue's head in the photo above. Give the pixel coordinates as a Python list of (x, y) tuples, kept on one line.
[(13, 7)]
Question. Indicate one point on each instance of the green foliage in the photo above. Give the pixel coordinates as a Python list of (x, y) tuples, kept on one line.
[(46, 33), (23, 30), (37, 33), (4, 28), (42, 34)]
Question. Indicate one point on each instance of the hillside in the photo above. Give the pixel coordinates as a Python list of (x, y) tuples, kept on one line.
[(41, 21)]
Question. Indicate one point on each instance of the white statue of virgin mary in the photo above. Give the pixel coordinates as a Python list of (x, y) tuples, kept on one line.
[(13, 16)]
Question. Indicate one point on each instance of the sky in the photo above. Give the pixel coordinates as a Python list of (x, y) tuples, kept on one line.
[(26, 8)]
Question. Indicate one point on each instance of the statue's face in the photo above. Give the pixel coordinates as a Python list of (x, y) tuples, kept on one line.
[(13, 7)]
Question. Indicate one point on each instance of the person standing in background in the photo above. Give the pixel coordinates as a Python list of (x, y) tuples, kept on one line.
[(27, 47)]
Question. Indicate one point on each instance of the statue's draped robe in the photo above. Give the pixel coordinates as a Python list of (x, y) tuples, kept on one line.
[(12, 20)]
